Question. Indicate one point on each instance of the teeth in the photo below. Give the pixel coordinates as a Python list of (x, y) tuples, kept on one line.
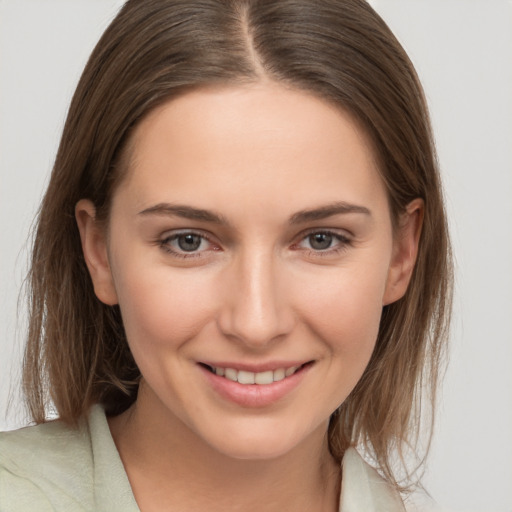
[(290, 371), (279, 374), (244, 377), (231, 374), (264, 377)]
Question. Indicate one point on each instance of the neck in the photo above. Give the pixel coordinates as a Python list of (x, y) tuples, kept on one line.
[(169, 467)]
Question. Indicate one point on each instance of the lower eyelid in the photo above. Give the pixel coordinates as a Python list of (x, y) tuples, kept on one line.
[(328, 252)]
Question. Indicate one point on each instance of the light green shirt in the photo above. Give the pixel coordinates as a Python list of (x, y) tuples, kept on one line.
[(52, 468)]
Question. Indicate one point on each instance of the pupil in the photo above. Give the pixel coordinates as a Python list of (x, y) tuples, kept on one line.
[(189, 242), (320, 241)]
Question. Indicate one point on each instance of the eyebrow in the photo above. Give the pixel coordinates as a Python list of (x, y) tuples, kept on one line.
[(199, 214), (326, 211), (185, 212)]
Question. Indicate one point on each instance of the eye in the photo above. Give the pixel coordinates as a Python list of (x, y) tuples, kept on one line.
[(187, 244), (324, 242), (320, 241)]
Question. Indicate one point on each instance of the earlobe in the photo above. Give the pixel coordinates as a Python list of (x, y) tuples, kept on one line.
[(405, 251), (94, 247)]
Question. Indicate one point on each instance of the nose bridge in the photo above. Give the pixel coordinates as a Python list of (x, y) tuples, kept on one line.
[(256, 310)]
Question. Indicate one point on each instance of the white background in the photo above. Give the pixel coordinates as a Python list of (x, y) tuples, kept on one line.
[(463, 52)]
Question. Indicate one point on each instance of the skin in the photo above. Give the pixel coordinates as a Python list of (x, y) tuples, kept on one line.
[(256, 290)]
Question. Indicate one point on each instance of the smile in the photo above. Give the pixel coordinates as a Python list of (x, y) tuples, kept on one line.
[(247, 377), (265, 385)]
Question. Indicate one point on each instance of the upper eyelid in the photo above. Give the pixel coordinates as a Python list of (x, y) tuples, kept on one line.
[(184, 231), (339, 233), (172, 234)]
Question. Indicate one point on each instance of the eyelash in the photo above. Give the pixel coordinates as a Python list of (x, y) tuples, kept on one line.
[(165, 244), (343, 242)]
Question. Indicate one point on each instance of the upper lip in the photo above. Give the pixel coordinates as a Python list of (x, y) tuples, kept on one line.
[(255, 367)]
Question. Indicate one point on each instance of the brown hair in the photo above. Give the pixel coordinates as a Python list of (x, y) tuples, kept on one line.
[(154, 50)]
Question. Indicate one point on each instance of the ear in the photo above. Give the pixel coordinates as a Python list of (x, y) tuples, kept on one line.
[(94, 246), (405, 251)]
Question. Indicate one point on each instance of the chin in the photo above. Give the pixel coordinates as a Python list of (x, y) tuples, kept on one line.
[(261, 441), (257, 449)]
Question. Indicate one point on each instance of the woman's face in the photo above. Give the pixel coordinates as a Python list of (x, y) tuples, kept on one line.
[(250, 249)]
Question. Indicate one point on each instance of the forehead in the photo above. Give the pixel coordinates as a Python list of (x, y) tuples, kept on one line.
[(256, 141)]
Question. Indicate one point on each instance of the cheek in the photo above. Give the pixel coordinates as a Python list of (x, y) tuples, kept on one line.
[(161, 307), (344, 316), (344, 308)]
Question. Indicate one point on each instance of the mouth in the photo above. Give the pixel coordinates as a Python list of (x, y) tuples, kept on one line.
[(255, 386), (255, 378)]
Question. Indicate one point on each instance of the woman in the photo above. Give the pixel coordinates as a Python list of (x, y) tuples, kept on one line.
[(241, 270)]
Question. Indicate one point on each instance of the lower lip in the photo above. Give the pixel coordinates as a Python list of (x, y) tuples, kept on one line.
[(255, 395)]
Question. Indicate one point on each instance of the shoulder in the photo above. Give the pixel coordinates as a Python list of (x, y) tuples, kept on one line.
[(362, 487), (48, 465), (52, 467)]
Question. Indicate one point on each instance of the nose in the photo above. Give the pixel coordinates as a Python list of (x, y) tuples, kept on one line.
[(256, 309)]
